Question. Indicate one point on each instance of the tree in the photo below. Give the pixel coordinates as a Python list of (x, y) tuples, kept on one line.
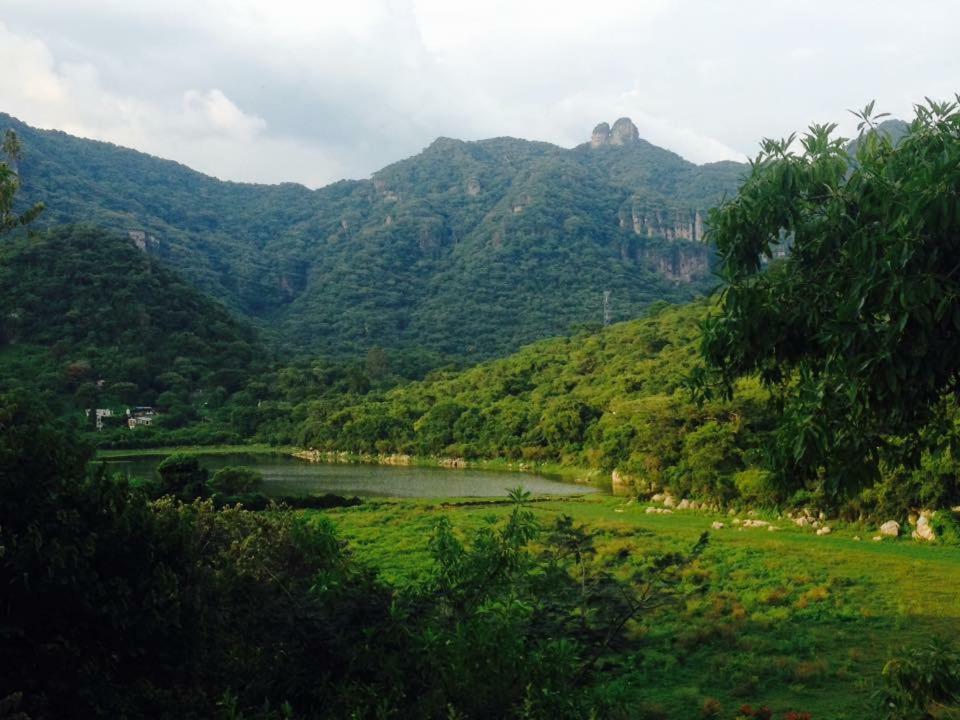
[(236, 480), (183, 477), (842, 292), (10, 184)]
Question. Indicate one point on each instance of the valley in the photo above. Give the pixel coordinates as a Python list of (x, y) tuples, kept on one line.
[(508, 430)]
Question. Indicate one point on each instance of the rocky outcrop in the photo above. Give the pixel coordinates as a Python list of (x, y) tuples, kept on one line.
[(658, 222), (623, 132), (600, 136), (678, 263), (621, 484), (924, 530), (891, 528), (142, 240)]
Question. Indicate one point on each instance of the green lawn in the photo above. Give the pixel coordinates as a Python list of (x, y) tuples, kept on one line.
[(787, 618)]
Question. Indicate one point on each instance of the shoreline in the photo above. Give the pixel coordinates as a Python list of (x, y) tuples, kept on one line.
[(566, 473)]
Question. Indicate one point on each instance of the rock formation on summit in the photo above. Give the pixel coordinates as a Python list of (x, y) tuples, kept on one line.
[(623, 132)]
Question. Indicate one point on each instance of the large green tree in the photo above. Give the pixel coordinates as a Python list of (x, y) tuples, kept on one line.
[(841, 285)]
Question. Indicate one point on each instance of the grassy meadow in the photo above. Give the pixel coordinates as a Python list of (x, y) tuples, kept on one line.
[(788, 619)]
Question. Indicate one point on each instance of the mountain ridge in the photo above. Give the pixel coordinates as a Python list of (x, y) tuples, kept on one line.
[(469, 248)]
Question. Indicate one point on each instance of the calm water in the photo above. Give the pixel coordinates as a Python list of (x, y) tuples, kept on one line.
[(284, 475)]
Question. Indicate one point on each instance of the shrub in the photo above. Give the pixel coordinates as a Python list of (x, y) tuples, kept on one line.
[(183, 477), (756, 486), (922, 683), (947, 527), (236, 480), (711, 709)]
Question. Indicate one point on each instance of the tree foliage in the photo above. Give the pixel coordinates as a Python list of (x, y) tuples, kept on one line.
[(841, 292), (10, 218)]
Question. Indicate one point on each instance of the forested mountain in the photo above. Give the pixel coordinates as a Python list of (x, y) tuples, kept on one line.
[(468, 249), (89, 320)]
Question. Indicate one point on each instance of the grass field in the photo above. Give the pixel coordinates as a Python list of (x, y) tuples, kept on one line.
[(786, 619)]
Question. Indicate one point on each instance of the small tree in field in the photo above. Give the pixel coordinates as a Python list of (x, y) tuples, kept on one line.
[(841, 290)]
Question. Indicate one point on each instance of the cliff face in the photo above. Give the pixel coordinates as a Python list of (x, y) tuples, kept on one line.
[(669, 224), (680, 263)]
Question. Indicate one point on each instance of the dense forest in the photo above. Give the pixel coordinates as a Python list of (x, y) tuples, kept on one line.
[(91, 321), (467, 250)]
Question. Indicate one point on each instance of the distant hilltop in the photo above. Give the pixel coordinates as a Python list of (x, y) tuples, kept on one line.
[(623, 132)]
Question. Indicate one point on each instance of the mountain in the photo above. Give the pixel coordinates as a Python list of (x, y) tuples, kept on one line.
[(87, 319), (468, 249), (892, 128)]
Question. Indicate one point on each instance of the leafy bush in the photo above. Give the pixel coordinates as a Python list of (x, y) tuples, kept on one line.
[(236, 480), (183, 477), (757, 486), (946, 525), (922, 683)]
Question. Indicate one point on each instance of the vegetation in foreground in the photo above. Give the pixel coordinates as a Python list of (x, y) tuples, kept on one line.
[(787, 619), (116, 605), (119, 605)]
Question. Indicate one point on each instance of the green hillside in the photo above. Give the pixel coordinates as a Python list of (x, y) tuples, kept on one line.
[(469, 249), (610, 400), (605, 401), (89, 320)]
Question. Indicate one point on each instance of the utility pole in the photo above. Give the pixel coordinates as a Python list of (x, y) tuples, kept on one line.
[(606, 308)]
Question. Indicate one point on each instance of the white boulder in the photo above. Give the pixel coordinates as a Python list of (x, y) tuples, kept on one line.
[(891, 528), (924, 530)]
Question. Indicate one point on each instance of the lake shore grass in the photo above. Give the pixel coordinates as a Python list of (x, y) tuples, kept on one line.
[(788, 618), (251, 449)]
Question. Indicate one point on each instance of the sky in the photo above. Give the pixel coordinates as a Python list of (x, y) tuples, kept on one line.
[(316, 91)]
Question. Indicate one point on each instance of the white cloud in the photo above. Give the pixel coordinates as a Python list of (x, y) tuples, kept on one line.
[(313, 90), (212, 113), (203, 128)]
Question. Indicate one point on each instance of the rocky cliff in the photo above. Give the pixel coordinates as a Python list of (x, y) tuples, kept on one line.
[(623, 132)]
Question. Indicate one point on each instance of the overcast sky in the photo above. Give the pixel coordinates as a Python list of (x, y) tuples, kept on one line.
[(315, 91)]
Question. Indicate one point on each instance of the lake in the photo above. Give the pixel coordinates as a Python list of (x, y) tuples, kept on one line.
[(285, 475)]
